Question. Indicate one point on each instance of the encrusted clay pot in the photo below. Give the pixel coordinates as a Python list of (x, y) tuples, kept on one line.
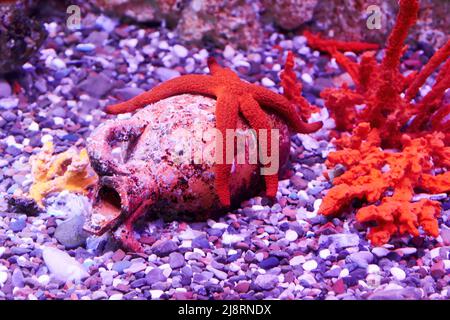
[(142, 163)]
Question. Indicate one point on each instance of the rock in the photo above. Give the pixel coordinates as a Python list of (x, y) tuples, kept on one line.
[(445, 234), (324, 253), (291, 235), (176, 260), (242, 287), (120, 266), (180, 51), (116, 296), (339, 286), (155, 275), (310, 265), (141, 11), (200, 242), (362, 258), (3, 277), (221, 22), (266, 281), (373, 268), (298, 182), (136, 267), (156, 294), (163, 248), (138, 283), (17, 278), (70, 232), (107, 277), (5, 89), (406, 251), (99, 295), (229, 239), (266, 82), (62, 266), (346, 20), (341, 241), (269, 263), (9, 103), (127, 93), (217, 273), (437, 270), (289, 14), (398, 273), (380, 252), (118, 255), (396, 294), (18, 225), (296, 261), (96, 85), (21, 34), (165, 74), (44, 279)]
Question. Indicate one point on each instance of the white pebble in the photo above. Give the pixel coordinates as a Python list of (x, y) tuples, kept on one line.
[(156, 294), (380, 251), (373, 268), (131, 43), (163, 45), (446, 264), (434, 252), (266, 82), (62, 266), (291, 235), (3, 277), (219, 225), (117, 296), (304, 51), (398, 273), (344, 272), (44, 279), (33, 126), (2, 251), (228, 52), (325, 253), (46, 138), (57, 64), (307, 78), (58, 121), (310, 265), (180, 51), (234, 267)]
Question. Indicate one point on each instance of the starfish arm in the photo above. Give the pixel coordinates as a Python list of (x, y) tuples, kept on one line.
[(281, 105), (194, 84), (227, 108), (258, 120)]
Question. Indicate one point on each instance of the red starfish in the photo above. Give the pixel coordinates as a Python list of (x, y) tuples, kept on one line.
[(233, 97)]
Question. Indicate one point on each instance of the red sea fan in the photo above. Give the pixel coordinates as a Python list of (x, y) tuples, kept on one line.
[(384, 112), (382, 95)]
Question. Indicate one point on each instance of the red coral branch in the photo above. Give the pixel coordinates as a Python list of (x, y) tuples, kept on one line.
[(292, 88), (440, 56), (317, 43)]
